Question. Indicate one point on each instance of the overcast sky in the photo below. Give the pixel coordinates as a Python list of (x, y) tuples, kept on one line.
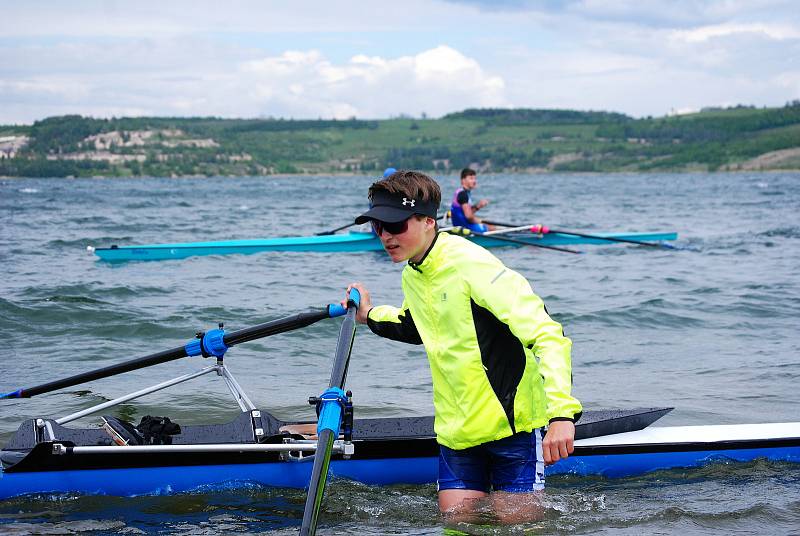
[(342, 58)]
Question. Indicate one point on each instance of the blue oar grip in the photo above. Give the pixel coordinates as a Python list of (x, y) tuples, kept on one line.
[(355, 297), (332, 404), (336, 309), (210, 343), (13, 394)]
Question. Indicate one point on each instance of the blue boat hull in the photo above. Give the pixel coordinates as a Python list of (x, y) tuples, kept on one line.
[(351, 242), (379, 472)]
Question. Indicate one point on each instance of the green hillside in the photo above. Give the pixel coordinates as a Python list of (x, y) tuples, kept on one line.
[(740, 138)]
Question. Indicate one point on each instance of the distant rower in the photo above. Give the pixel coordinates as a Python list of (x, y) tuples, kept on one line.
[(462, 210)]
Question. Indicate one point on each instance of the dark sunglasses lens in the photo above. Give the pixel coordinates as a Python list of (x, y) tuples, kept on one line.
[(395, 228)]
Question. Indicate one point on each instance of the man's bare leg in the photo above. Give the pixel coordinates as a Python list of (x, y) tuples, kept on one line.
[(461, 505), (514, 508)]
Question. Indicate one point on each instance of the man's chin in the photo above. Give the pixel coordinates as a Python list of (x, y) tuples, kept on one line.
[(395, 255)]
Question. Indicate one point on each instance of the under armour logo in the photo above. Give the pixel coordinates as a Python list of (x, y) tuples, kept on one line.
[(408, 202)]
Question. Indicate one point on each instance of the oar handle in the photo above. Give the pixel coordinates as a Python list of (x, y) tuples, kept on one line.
[(354, 298)]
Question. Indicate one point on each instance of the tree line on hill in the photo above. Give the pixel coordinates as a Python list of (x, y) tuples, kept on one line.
[(495, 139)]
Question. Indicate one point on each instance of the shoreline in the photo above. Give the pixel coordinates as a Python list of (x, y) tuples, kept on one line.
[(433, 174)]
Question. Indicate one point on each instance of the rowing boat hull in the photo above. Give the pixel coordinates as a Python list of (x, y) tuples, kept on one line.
[(351, 242), (610, 460), (386, 452)]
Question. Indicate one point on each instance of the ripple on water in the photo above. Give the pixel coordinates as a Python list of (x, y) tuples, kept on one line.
[(709, 331)]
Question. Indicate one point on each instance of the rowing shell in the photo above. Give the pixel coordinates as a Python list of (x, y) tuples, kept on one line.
[(350, 242), (383, 452)]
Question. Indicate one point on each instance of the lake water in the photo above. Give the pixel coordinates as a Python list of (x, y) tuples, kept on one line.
[(711, 329)]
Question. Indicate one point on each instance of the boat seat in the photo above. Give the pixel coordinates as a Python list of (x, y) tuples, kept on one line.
[(150, 431), (307, 430), (121, 432), (304, 430)]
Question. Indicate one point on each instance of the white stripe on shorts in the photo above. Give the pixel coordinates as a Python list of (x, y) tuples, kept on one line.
[(539, 483)]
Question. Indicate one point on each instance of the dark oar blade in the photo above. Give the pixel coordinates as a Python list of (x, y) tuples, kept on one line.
[(191, 348), (594, 237), (330, 417)]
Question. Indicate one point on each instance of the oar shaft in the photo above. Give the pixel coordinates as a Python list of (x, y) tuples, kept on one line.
[(316, 485), (236, 337), (509, 230), (344, 346), (274, 327), (330, 417), (524, 243), (613, 239), (332, 231), (501, 224), (120, 368), (593, 236), (337, 229), (466, 232)]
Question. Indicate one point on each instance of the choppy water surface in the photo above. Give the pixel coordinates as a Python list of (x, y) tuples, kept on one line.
[(711, 329)]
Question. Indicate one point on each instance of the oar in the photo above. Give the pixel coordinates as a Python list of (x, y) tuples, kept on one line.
[(596, 237), (463, 231), (332, 403), (351, 224), (214, 342), (510, 230), (337, 229)]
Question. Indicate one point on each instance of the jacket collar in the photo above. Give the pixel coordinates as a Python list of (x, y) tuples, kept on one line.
[(428, 258)]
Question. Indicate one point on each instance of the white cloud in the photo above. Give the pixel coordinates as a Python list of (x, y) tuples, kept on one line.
[(249, 58), (778, 32), (435, 81)]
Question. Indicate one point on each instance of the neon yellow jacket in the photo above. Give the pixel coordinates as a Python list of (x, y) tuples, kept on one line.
[(499, 363)]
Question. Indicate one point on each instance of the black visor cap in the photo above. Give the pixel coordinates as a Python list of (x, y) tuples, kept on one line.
[(393, 208)]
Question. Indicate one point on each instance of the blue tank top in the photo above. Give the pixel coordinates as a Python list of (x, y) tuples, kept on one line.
[(456, 212)]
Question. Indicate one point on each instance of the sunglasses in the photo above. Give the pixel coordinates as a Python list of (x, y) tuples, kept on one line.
[(395, 228)]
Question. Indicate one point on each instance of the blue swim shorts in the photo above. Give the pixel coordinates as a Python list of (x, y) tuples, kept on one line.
[(513, 464)]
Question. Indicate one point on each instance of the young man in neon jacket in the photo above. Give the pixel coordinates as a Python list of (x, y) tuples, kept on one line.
[(501, 367)]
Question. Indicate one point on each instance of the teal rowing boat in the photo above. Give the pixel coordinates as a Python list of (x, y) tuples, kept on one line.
[(350, 242)]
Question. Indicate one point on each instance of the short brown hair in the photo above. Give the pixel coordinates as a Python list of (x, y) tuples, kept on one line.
[(467, 172), (413, 184)]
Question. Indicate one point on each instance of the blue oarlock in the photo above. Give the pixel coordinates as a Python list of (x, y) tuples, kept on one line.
[(331, 407), (210, 343)]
